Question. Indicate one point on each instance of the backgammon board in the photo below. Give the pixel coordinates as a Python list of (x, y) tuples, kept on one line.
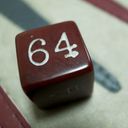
[(104, 27)]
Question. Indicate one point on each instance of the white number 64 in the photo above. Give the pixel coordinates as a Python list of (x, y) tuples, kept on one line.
[(72, 53)]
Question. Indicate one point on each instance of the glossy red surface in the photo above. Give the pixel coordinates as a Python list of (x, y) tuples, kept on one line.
[(10, 117), (58, 68)]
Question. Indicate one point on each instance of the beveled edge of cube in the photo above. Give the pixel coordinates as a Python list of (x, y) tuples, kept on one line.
[(43, 27)]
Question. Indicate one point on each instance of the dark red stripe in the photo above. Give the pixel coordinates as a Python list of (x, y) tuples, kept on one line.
[(10, 117), (112, 7)]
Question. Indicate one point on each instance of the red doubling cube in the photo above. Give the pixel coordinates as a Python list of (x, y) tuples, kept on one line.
[(10, 117), (54, 64)]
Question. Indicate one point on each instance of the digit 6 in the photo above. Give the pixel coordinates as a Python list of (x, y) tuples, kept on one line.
[(31, 53)]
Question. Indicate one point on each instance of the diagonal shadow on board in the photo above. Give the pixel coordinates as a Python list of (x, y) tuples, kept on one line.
[(25, 17), (21, 14)]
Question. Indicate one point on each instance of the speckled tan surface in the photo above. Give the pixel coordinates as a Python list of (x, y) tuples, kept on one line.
[(107, 40)]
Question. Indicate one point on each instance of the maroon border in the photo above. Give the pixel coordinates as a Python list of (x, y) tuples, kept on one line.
[(112, 7), (14, 109)]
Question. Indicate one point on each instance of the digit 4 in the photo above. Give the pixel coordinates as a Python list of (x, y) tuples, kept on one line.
[(69, 47)]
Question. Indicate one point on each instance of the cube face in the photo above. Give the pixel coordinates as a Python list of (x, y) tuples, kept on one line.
[(50, 55), (78, 87)]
